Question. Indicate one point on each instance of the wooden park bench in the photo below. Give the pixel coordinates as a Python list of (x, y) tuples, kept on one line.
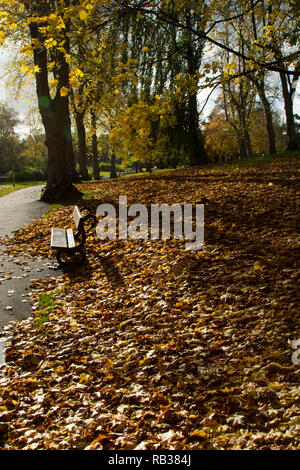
[(69, 244)]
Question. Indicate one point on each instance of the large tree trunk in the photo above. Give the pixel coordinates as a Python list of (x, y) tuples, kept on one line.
[(197, 151), (288, 106), (61, 162), (56, 120), (242, 147)]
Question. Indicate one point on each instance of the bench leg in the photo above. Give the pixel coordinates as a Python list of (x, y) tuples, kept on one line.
[(79, 256)]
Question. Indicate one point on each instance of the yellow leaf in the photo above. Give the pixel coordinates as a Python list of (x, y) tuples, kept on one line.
[(77, 100), (275, 386), (24, 68), (257, 267), (200, 434), (74, 81), (50, 43), (26, 50), (36, 42), (52, 19), (83, 14), (251, 359), (78, 73), (64, 91)]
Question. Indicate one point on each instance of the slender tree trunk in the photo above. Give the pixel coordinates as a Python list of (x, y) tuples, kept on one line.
[(149, 165), (248, 144), (288, 105), (96, 170), (113, 173), (260, 86), (267, 109), (195, 140), (287, 94), (82, 154)]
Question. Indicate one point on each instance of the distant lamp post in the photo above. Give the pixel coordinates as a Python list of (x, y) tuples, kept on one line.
[(13, 174)]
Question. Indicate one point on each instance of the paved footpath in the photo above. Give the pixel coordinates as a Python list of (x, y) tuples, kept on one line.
[(18, 209)]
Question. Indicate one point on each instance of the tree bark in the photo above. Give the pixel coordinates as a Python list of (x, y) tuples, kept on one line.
[(198, 154), (96, 170), (242, 147), (82, 154), (267, 109), (113, 173), (61, 161), (55, 115), (288, 106), (248, 143)]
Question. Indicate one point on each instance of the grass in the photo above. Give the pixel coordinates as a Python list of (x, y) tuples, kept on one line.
[(7, 188), (259, 160), (250, 162), (52, 208), (46, 305)]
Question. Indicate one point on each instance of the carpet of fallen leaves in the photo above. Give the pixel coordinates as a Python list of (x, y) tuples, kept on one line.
[(150, 346)]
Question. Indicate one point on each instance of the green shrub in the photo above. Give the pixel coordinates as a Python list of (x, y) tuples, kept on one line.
[(105, 166), (27, 174)]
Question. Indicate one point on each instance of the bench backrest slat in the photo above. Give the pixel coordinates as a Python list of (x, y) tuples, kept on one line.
[(77, 217)]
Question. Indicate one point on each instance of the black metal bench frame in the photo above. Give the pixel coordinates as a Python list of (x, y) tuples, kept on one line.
[(69, 244)]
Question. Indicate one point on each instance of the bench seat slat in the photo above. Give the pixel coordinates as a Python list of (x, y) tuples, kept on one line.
[(70, 238), (58, 238)]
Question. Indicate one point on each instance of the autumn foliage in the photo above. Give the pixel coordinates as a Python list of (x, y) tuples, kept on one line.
[(149, 346)]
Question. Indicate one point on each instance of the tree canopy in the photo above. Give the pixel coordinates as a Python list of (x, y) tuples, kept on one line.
[(134, 69)]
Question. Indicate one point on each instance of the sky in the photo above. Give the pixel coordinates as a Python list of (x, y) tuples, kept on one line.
[(20, 106)]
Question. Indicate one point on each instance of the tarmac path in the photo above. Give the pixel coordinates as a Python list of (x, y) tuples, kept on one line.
[(17, 209)]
